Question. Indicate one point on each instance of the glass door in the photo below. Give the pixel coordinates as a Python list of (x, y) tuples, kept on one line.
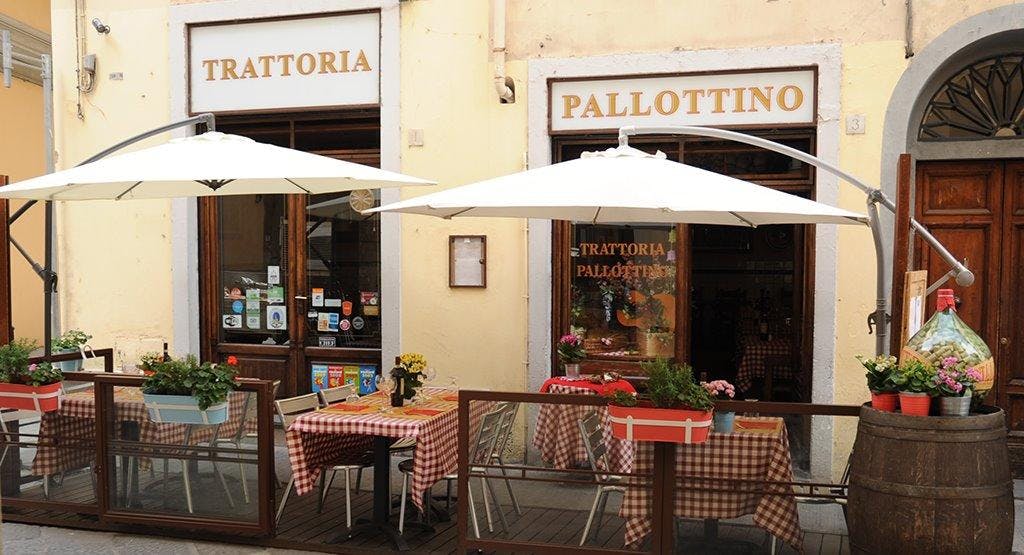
[(291, 283)]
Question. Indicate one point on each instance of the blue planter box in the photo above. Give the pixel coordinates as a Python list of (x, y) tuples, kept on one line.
[(183, 409), (68, 365)]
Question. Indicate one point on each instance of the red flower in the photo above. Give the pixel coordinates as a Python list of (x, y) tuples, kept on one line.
[(233, 360)]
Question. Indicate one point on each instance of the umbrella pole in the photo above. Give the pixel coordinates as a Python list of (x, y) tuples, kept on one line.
[(880, 317)]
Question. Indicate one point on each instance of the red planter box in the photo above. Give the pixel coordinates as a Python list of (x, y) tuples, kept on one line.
[(885, 402), (45, 398), (666, 425)]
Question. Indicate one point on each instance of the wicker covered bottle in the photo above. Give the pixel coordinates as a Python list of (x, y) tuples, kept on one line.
[(945, 335)]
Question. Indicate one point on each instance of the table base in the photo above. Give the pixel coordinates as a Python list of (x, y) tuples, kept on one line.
[(390, 530)]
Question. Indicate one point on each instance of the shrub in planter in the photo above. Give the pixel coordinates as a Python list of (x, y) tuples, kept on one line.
[(881, 377), (915, 381), (954, 381), (27, 386), (571, 353), (73, 341), (187, 392), (676, 408), (723, 419)]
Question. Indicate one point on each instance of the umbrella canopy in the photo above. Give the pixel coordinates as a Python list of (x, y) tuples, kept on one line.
[(624, 185), (210, 164)]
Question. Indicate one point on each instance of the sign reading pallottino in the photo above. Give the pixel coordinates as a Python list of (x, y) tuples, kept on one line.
[(286, 63), (718, 99)]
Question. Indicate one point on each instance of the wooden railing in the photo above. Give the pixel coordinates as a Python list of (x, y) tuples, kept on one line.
[(662, 480)]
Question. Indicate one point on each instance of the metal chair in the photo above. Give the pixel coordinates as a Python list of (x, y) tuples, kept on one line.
[(592, 432), (328, 397), (290, 409), (481, 451), (237, 434), (498, 455)]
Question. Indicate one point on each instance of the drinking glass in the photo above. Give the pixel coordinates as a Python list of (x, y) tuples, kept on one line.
[(385, 384)]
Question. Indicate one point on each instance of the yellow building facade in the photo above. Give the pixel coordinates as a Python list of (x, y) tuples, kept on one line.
[(22, 155), (138, 273)]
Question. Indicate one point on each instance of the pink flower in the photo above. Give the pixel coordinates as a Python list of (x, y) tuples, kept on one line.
[(973, 374), (32, 367), (949, 362)]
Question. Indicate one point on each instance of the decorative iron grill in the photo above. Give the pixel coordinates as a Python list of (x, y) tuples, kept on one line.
[(983, 101)]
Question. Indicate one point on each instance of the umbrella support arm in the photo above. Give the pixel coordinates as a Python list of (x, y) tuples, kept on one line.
[(45, 272), (876, 197)]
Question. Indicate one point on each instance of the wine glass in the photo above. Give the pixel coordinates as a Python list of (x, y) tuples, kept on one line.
[(429, 375), (453, 383), (385, 384)]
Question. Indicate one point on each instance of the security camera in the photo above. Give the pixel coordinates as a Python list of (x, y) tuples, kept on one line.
[(100, 27)]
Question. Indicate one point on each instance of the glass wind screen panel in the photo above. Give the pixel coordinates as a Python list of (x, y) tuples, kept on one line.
[(623, 290), (253, 268), (343, 271)]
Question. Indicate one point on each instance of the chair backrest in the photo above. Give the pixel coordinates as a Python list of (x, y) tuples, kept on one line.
[(593, 441), (291, 408), (336, 394), (487, 435), (505, 427)]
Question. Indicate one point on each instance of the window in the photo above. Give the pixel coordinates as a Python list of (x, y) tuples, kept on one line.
[(982, 101)]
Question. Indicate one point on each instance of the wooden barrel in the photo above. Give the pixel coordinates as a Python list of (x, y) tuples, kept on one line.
[(935, 485)]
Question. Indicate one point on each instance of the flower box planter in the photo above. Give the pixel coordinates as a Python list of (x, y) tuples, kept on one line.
[(654, 424), (43, 398), (69, 365), (885, 402), (183, 409)]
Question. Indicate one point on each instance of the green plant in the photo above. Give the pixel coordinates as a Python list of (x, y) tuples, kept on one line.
[(40, 374), (915, 376), (70, 341), (14, 359), (623, 398), (209, 382), (672, 385), (881, 373), (570, 349), (148, 361)]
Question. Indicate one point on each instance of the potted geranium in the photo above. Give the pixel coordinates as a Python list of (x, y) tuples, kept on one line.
[(27, 386), (676, 409), (954, 381), (723, 419), (72, 341), (881, 377), (187, 392), (149, 361), (915, 381), (571, 352)]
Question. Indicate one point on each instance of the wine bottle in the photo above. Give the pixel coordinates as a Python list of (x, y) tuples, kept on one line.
[(166, 355), (398, 374)]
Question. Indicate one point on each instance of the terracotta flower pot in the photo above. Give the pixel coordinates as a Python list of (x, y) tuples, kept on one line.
[(645, 423), (44, 398), (885, 402), (915, 404)]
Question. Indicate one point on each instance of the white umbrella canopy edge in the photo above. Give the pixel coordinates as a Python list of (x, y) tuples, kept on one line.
[(624, 185), (211, 164)]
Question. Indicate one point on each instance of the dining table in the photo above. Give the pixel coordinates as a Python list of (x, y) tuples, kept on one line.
[(747, 471), (557, 435), (754, 354), (317, 438)]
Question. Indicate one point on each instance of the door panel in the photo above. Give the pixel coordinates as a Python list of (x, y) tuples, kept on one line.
[(976, 208), (6, 325)]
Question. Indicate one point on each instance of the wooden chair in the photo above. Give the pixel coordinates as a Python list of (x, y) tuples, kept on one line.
[(592, 432), (774, 365), (289, 410)]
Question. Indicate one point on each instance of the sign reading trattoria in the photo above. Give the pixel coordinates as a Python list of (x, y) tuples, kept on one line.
[(286, 63), (715, 99)]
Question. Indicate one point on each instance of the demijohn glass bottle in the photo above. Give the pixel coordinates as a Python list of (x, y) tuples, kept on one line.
[(945, 335)]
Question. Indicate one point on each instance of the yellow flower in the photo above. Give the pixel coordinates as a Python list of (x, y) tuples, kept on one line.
[(414, 363)]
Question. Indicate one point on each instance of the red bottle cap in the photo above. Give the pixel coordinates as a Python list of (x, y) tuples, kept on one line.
[(945, 300)]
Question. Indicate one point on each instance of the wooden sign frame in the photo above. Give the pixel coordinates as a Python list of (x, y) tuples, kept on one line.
[(915, 291), (478, 241)]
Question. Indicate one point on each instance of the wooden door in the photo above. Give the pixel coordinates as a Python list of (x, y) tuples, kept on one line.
[(1008, 348), (976, 209)]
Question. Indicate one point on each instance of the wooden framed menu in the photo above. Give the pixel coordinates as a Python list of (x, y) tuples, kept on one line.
[(467, 261)]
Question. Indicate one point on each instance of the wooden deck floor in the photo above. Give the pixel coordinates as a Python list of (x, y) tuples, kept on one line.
[(302, 527)]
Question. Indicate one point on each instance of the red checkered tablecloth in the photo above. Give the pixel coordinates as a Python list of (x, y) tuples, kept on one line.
[(752, 360), (76, 420), (318, 438), (558, 439), (736, 456)]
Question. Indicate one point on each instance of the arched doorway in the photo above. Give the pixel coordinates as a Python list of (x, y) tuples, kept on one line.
[(959, 112)]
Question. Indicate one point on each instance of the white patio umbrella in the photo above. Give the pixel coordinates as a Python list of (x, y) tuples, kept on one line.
[(624, 185), (211, 164)]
